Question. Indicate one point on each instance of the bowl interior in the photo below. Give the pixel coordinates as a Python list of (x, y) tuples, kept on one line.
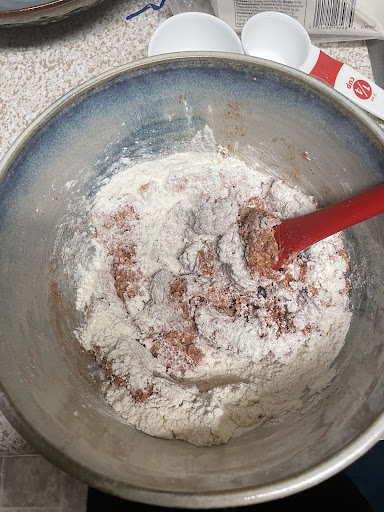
[(295, 128)]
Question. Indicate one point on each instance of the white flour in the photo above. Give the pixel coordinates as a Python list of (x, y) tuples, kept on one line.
[(193, 344)]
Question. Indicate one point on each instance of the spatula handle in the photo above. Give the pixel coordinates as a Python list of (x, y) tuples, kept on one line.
[(294, 235)]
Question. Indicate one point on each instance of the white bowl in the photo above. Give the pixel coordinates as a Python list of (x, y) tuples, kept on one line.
[(194, 31)]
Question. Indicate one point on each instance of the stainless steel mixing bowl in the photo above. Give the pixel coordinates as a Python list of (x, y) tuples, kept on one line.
[(296, 127)]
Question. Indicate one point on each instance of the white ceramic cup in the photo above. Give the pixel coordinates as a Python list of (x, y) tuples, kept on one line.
[(194, 31)]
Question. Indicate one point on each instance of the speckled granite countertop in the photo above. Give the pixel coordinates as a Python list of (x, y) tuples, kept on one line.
[(40, 64)]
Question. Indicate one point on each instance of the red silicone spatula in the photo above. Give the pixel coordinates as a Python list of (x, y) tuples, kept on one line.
[(296, 234)]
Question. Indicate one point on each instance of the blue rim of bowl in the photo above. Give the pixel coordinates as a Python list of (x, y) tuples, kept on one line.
[(213, 499)]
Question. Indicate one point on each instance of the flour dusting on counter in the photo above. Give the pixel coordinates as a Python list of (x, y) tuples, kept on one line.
[(195, 342)]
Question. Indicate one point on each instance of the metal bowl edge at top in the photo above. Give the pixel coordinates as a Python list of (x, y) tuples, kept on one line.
[(43, 13)]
